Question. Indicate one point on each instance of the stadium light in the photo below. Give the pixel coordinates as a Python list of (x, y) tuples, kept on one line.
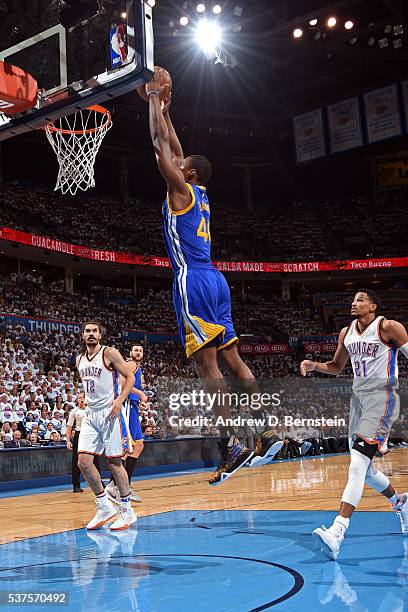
[(313, 22), (208, 37), (184, 20), (200, 8), (217, 9), (331, 22), (349, 25), (297, 33)]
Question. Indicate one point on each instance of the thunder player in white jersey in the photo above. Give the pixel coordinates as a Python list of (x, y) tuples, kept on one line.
[(372, 343), (99, 368)]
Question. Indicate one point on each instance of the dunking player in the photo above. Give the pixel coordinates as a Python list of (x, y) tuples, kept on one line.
[(101, 432), (130, 420), (372, 343), (200, 292)]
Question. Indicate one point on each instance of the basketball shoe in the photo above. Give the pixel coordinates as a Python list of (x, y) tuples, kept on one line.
[(331, 539), (126, 517), (267, 446), (233, 457), (401, 508), (113, 493), (105, 511), (134, 497)]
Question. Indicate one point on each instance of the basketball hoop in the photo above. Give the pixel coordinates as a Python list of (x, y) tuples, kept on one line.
[(76, 140)]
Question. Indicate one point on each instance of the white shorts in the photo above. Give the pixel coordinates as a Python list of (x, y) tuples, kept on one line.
[(99, 435), (372, 415)]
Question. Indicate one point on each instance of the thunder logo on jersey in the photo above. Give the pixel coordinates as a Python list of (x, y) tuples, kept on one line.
[(370, 349), (187, 232)]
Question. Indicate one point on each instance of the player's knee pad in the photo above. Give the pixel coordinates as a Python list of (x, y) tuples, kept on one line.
[(364, 447), (356, 477), (376, 479)]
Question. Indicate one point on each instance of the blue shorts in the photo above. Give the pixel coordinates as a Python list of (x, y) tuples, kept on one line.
[(130, 412), (202, 302)]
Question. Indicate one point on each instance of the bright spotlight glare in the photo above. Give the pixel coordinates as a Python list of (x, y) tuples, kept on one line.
[(123, 15), (208, 36), (349, 25), (313, 22), (331, 22), (217, 9), (183, 21), (297, 33), (200, 8)]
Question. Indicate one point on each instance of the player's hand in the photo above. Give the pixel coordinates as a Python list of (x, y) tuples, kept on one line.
[(143, 398), (116, 408), (69, 445), (165, 105), (155, 85), (307, 366)]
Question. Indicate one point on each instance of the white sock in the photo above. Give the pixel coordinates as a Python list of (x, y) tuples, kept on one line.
[(394, 499), (400, 501), (125, 501), (102, 497), (341, 524)]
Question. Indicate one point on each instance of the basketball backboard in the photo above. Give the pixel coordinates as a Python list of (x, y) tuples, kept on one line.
[(80, 52)]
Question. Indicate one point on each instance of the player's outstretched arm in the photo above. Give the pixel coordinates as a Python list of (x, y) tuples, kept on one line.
[(179, 193), (175, 146), (394, 331), (335, 366)]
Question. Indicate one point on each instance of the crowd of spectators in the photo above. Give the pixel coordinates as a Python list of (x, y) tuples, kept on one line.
[(37, 368), (269, 318), (377, 234), (289, 231), (39, 384)]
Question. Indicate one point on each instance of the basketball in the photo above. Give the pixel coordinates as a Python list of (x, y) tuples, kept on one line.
[(165, 79)]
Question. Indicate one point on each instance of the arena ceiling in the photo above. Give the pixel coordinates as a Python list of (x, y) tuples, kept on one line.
[(276, 76), (248, 108)]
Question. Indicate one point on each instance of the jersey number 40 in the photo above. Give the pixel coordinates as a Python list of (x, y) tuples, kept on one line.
[(204, 229)]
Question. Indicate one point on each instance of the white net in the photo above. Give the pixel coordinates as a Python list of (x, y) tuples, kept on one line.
[(76, 140)]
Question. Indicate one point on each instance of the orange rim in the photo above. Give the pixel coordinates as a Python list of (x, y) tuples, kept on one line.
[(97, 109)]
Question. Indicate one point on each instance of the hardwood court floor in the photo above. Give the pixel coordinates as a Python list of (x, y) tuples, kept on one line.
[(310, 484)]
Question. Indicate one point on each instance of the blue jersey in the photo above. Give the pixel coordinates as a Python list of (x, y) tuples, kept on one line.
[(187, 232), (201, 294), (138, 384)]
